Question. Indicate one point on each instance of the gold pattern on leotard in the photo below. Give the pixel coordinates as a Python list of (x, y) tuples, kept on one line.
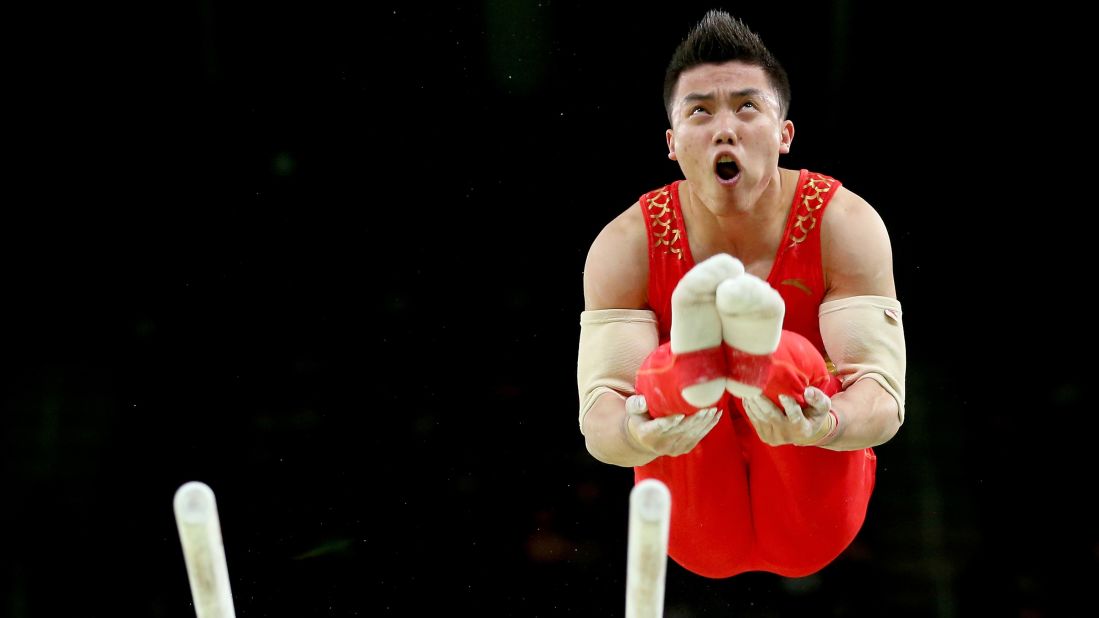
[(665, 233), (811, 201)]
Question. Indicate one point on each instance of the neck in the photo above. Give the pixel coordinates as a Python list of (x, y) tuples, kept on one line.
[(751, 232)]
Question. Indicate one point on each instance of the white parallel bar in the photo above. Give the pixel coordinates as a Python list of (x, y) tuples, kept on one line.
[(647, 552), (200, 535)]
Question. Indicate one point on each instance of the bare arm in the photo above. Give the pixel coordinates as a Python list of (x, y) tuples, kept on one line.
[(858, 261), (616, 272)]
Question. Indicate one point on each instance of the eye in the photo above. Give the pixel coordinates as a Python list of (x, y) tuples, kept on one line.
[(699, 109), (748, 105)]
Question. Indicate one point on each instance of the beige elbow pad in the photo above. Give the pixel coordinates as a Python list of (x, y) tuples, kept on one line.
[(864, 338), (613, 344)]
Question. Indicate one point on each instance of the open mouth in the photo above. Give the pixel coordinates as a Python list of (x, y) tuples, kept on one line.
[(726, 168)]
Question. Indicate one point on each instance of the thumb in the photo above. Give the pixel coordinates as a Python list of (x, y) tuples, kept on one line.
[(817, 399), (635, 404)]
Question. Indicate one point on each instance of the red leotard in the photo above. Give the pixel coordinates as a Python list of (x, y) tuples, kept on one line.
[(739, 504)]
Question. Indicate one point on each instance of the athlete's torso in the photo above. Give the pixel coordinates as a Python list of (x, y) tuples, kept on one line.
[(797, 271)]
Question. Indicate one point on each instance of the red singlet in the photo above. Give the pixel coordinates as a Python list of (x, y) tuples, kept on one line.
[(738, 504)]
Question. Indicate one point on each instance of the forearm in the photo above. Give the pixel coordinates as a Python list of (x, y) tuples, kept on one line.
[(605, 433), (868, 416)]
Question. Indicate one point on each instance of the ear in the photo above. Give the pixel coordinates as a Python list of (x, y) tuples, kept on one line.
[(786, 137), (668, 135)]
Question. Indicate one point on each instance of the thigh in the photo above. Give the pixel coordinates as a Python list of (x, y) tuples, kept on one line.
[(711, 527), (808, 503)]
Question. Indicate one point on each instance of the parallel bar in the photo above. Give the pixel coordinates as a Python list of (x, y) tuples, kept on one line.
[(647, 552), (200, 535)]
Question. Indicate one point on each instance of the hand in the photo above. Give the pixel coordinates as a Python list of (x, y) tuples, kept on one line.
[(668, 435), (813, 425)]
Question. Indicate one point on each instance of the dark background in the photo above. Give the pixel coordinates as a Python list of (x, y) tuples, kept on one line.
[(328, 258)]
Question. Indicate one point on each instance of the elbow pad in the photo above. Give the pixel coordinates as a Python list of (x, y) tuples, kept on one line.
[(613, 344), (864, 338)]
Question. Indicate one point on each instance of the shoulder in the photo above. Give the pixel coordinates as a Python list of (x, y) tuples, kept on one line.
[(855, 248), (616, 271), (848, 209)]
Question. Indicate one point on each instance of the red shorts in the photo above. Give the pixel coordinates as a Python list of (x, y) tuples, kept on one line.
[(741, 505)]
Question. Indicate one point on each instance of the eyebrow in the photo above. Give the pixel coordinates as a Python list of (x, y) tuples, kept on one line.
[(709, 96)]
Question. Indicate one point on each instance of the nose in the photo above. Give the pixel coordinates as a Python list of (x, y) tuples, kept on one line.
[(724, 133)]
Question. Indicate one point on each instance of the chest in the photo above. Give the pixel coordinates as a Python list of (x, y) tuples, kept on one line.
[(758, 265)]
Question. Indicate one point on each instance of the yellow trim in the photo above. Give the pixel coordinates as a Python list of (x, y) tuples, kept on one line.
[(811, 202), (662, 215)]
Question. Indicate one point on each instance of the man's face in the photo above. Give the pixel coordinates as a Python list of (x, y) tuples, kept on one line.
[(727, 131)]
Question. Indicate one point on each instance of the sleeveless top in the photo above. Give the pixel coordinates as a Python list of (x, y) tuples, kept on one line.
[(797, 272)]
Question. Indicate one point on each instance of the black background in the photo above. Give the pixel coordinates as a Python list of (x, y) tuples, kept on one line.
[(328, 258)]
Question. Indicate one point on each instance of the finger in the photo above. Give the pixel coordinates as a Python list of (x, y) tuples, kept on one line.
[(685, 431), (668, 423), (705, 423), (652, 433), (713, 422), (758, 418), (792, 408), (817, 399), (752, 407), (701, 423), (701, 418), (768, 411), (636, 404), (761, 420)]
